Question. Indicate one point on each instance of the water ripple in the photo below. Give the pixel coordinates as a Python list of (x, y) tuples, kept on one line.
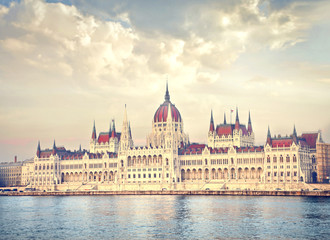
[(164, 217)]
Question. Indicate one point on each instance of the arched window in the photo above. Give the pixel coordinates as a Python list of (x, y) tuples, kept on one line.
[(287, 158), (205, 161), (313, 159), (281, 158), (166, 162), (274, 159), (268, 159), (294, 158)]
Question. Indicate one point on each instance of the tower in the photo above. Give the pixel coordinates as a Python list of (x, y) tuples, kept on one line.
[(269, 138), (166, 114), (54, 148), (211, 133), (126, 141), (93, 139), (249, 124), (38, 150)]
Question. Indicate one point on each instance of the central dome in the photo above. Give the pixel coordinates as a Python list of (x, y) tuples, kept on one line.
[(162, 111)]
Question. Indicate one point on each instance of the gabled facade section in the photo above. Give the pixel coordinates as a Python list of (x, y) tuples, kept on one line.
[(226, 135), (287, 159), (106, 141)]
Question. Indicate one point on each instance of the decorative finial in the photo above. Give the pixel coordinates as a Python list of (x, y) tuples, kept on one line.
[(167, 94)]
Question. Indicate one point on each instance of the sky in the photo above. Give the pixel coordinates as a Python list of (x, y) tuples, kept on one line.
[(64, 64)]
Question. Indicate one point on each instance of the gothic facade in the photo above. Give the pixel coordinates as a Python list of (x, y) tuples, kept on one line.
[(169, 160)]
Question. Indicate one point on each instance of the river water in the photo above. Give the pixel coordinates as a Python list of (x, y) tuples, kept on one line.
[(164, 217)]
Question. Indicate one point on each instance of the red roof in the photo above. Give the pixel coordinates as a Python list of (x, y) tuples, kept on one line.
[(224, 129), (227, 129), (196, 145), (286, 142), (103, 138), (161, 113), (310, 139)]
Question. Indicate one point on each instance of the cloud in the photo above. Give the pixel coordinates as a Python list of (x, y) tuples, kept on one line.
[(61, 63), (259, 79)]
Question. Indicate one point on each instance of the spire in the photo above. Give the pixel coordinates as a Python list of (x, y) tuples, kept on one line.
[(54, 148), (249, 124), (269, 137), (237, 120), (224, 119), (129, 130), (125, 115), (167, 94), (38, 149), (294, 135), (110, 129), (113, 134), (113, 125), (80, 148), (294, 130), (211, 123), (94, 132)]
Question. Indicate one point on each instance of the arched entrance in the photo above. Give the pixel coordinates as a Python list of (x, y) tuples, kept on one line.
[(314, 177)]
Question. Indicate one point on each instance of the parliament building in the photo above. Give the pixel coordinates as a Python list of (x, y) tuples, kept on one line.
[(229, 160)]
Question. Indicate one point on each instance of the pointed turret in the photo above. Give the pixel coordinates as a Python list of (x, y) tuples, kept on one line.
[(80, 148), (94, 132), (167, 94), (269, 137), (125, 138), (125, 115), (211, 123), (38, 150), (110, 129), (224, 119), (129, 130), (294, 135), (113, 133), (249, 124), (237, 120), (54, 148)]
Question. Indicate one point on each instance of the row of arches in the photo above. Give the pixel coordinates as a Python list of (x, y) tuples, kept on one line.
[(225, 173), (145, 160), (96, 176)]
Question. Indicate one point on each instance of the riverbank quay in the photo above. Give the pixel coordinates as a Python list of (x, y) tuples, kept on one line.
[(174, 192)]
